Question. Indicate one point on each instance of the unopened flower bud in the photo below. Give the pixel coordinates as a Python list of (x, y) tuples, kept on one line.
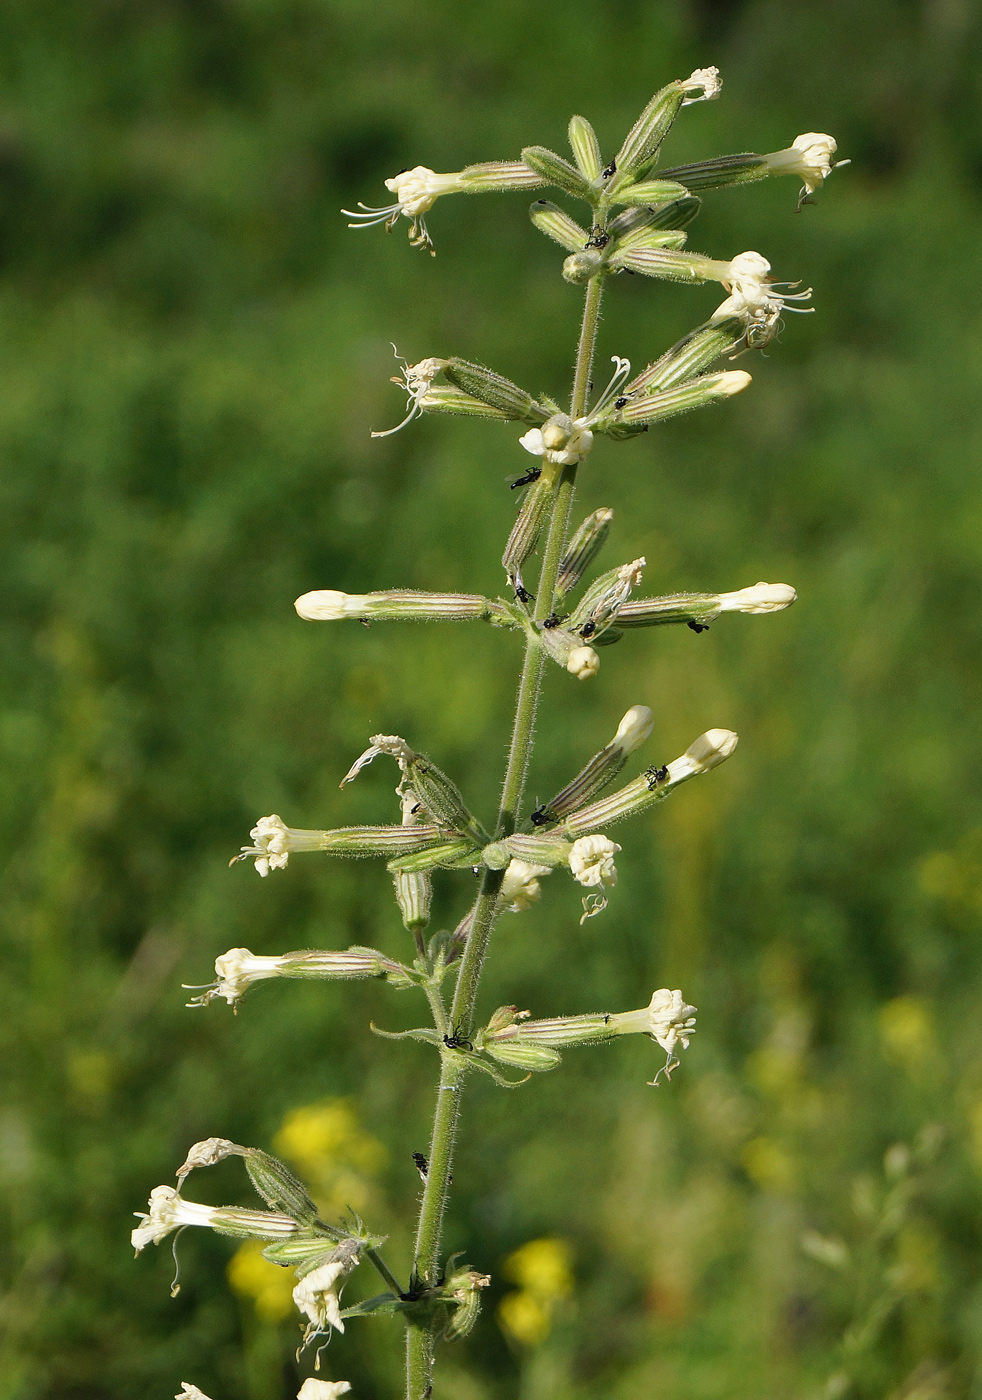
[(632, 732), (447, 398), (689, 357), (547, 849), (278, 1186), (314, 1389), (720, 172), (583, 663), (760, 598), (535, 1058), (559, 1031), (583, 548), (407, 604), (586, 148), (556, 171), (653, 785), (555, 223), (527, 527), (657, 408), (651, 192), (582, 267)]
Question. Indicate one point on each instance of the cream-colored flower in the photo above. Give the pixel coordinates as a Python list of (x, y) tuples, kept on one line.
[(634, 729), (273, 841), (702, 86), (313, 1389), (416, 191), (168, 1211), (755, 298), (583, 662), (316, 1295), (520, 888), (416, 380), (591, 860), (809, 157), (703, 754), (190, 1392), (560, 440), (670, 1020)]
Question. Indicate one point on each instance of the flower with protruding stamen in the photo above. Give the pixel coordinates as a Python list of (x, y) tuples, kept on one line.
[(667, 1018), (591, 860), (810, 158), (520, 888), (314, 1389), (416, 191), (316, 1295), (759, 598), (416, 380), (566, 441), (273, 842), (755, 298), (170, 1211)]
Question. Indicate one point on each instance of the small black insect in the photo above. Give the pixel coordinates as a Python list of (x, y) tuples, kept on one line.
[(697, 626), (619, 403), (599, 237), (588, 629), (422, 1165), (531, 475), (456, 1041), (523, 595), (611, 169), (415, 809), (542, 816), (551, 621), (655, 776)]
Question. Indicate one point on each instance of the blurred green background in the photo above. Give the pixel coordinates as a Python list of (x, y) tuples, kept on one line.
[(193, 349)]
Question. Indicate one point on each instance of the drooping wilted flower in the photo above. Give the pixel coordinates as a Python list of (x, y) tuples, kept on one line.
[(591, 860)]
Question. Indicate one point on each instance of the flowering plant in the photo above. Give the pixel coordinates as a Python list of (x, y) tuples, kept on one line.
[(637, 220)]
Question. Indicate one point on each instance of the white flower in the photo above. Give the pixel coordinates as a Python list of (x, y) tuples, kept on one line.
[(759, 598), (168, 1211), (273, 841), (566, 441), (583, 662), (416, 380), (591, 860), (755, 298), (670, 1020), (316, 1295), (520, 888), (810, 158), (235, 972), (190, 1392), (704, 81), (329, 605), (313, 1389), (416, 192), (560, 440)]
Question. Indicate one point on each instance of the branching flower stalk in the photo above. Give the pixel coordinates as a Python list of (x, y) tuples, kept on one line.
[(637, 217)]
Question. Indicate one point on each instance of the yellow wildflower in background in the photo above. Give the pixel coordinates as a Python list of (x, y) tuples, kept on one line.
[(332, 1152), (543, 1271), (268, 1285), (906, 1033)]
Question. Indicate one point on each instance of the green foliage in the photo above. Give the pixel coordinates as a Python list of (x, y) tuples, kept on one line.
[(193, 349)]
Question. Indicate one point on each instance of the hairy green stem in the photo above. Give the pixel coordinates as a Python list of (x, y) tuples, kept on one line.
[(420, 1336)]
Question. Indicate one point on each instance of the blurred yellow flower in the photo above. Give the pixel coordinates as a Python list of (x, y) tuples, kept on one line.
[(906, 1033), (768, 1164), (332, 1152), (268, 1285), (543, 1271), (524, 1318)]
